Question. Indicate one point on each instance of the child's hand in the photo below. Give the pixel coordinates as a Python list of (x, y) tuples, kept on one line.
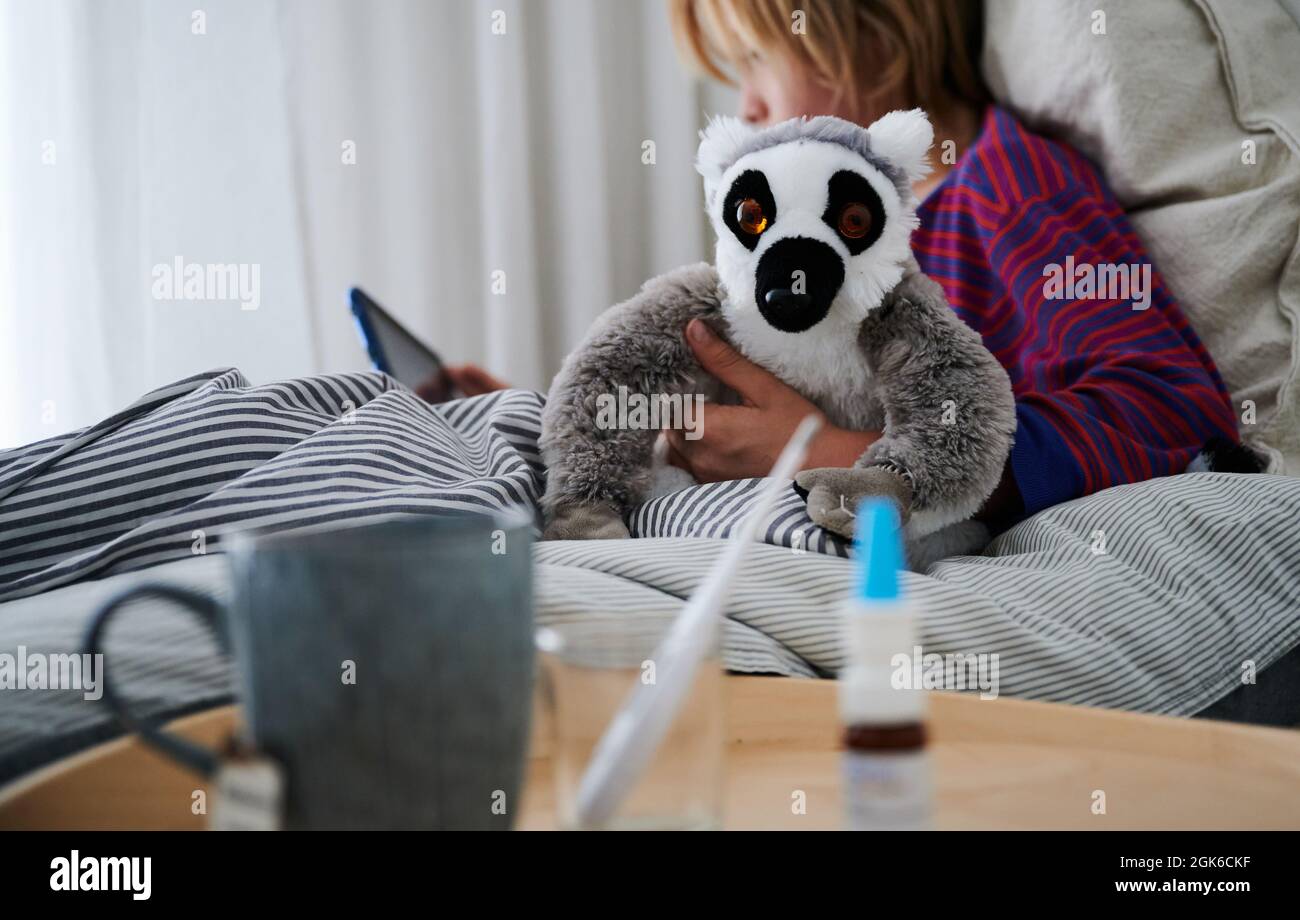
[(739, 442), (468, 379), (472, 380)]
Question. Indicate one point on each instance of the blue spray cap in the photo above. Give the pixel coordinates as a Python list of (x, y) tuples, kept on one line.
[(878, 546)]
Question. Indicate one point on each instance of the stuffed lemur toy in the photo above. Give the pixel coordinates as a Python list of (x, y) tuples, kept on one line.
[(815, 281)]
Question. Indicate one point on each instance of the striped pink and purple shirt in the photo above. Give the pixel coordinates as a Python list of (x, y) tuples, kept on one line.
[(1107, 392)]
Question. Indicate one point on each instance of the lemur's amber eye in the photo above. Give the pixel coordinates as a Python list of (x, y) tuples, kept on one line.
[(855, 221), (750, 217)]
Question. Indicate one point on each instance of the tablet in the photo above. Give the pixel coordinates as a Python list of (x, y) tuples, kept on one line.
[(392, 348)]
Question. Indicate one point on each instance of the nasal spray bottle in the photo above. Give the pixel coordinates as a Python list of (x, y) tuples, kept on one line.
[(886, 767)]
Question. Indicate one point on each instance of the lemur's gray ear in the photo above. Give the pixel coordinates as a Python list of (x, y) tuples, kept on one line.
[(719, 142), (904, 138)]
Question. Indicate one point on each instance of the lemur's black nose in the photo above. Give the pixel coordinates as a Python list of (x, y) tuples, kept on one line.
[(796, 282)]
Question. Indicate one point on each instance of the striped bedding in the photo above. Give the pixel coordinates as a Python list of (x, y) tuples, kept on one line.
[(1146, 597)]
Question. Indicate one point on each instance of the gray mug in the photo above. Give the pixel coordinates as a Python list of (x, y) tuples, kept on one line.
[(387, 669)]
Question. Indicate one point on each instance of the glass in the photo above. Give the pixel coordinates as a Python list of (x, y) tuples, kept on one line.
[(588, 669)]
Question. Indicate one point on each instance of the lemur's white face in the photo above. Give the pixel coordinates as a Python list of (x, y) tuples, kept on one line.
[(811, 234)]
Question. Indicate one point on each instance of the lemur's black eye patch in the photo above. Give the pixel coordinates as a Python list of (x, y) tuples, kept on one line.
[(849, 193), (751, 184)]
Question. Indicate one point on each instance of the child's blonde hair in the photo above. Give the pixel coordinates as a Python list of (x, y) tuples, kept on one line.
[(929, 48)]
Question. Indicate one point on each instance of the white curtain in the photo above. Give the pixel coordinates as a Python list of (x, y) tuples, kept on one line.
[(496, 173)]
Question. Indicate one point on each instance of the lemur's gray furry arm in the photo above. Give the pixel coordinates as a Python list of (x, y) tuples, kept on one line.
[(949, 412), (595, 475)]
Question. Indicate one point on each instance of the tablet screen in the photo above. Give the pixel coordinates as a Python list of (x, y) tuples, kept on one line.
[(392, 348)]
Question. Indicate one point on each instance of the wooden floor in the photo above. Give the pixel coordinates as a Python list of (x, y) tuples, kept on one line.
[(998, 764)]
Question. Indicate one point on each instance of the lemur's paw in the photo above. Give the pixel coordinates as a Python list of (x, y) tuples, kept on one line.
[(833, 493), (585, 522)]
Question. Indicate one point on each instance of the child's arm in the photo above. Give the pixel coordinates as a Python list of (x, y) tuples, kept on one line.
[(1110, 389)]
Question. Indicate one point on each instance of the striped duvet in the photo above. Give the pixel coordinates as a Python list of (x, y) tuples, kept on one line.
[(1143, 597)]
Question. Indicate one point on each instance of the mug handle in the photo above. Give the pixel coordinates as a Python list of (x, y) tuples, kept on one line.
[(189, 754)]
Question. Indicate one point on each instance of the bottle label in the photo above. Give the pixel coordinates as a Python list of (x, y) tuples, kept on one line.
[(887, 791), (249, 795)]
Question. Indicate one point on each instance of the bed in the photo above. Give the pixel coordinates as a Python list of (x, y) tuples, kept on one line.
[(1178, 595), (1158, 597)]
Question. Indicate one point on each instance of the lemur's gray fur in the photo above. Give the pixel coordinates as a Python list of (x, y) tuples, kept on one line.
[(594, 476), (920, 375), (826, 130)]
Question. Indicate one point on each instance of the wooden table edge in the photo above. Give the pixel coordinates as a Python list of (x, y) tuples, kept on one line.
[(777, 714)]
